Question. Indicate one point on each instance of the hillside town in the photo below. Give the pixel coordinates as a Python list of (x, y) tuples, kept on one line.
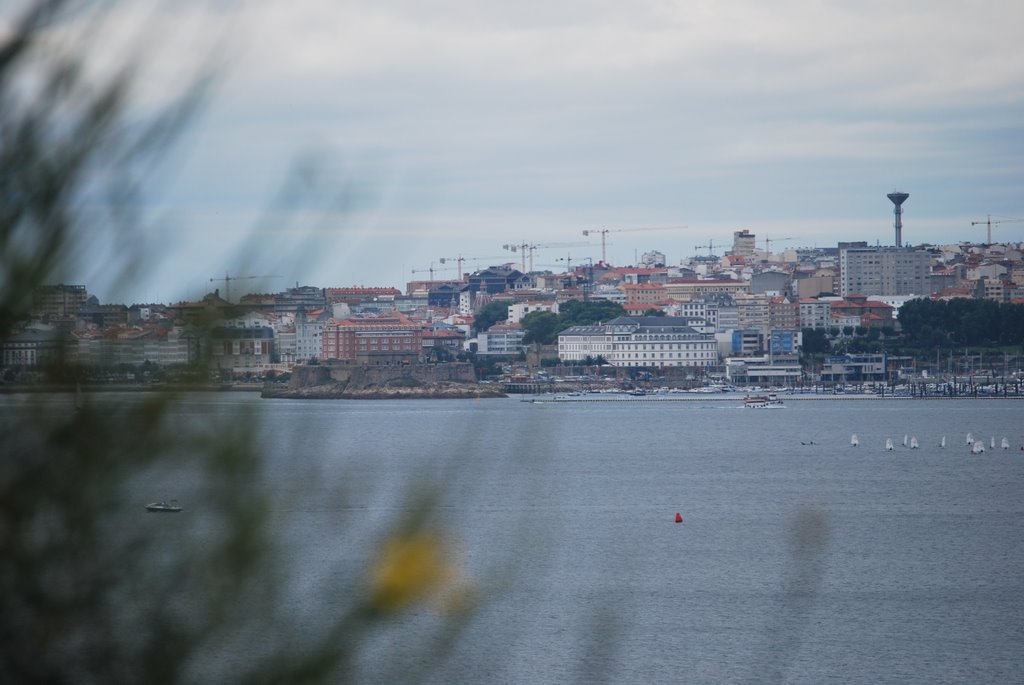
[(743, 316)]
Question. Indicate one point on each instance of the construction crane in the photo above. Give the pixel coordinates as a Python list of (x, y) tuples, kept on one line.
[(710, 247), (999, 220), (228, 278), (566, 263), (460, 259), (605, 231), (768, 243), (431, 270), (524, 248)]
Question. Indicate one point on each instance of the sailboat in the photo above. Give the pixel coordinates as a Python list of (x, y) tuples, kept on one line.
[(978, 447), (1005, 444), (970, 439), (854, 441), (913, 443), (993, 443), (904, 439), (888, 445), (942, 443)]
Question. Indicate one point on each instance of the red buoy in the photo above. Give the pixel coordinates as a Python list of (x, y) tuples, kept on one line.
[(679, 517)]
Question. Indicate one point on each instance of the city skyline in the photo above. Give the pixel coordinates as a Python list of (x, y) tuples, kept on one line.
[(353, 143)]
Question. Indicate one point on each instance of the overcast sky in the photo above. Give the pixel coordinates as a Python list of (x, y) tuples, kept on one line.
[(352, 142)]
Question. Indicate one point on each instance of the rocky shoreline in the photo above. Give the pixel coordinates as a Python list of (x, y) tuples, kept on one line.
[(338, 381), (341, 391)]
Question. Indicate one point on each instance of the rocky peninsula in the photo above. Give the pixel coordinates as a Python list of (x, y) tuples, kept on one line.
[(455, 380)]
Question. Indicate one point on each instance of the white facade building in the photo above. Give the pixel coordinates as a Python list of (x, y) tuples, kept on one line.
[(517, 311), (646, 341), (308, 336)]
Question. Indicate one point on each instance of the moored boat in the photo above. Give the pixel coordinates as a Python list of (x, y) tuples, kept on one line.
[(161, 506)]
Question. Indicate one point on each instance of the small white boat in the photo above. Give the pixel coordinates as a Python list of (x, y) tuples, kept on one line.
[(992, 444), (913, 443), (904, 439), (1005, 444), (161, 506), (970, 439), (888, 445), (854, 441), (942, 443), (977, 447), (762, 401)]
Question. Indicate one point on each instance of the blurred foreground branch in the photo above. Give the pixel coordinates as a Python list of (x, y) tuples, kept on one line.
[(93, 589)]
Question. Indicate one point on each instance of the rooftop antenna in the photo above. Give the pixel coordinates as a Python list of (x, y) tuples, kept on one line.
[(898, 199)]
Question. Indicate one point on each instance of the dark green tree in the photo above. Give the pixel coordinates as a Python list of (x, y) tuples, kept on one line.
[(815, 341), (580, 313), (490, 314), (654, 311), (961, 322), (541, 327)]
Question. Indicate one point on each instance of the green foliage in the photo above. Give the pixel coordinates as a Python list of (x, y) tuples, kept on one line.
[(815, 341), (654, 311), (580, 313), (961, 322), (541, 328), (490, 314), (544, 327)]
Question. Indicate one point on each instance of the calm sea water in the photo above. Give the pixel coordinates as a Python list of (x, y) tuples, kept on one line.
[(795, 562)]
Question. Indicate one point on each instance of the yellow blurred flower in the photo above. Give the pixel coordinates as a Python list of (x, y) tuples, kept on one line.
[(409, 568)]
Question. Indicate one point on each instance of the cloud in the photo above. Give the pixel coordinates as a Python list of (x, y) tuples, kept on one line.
[(460, 126)]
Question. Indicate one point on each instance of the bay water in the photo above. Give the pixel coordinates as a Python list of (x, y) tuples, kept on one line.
[(800, 558)]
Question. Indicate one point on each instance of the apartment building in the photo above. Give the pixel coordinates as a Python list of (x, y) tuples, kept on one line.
[(688, 290), (58, 301), (883, 271), (378, 340), (815, 313), (644, 294), (744, 243), (783, 314), (752, 311), (501, 338)]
